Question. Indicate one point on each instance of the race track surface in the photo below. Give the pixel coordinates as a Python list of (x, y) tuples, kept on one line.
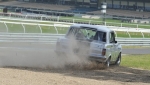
[(136, 51)]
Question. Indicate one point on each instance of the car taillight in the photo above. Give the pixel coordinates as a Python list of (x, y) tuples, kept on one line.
[(103, 52)]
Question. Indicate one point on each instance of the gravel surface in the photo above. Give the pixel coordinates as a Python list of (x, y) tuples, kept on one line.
[(111, 76)]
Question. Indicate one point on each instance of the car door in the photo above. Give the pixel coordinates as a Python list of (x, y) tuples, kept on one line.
[(113, 46), (97, 44)]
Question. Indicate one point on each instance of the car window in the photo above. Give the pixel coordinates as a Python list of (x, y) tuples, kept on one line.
[(112, 37), (83, 33), (100, 36), (72, 31)]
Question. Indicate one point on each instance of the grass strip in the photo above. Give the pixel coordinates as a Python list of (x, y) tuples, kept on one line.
[(136, 61)]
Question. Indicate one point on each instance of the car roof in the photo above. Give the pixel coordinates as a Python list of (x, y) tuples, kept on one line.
[(96, 27)]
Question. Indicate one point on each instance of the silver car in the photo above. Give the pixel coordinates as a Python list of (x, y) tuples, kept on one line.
[(96, 42)]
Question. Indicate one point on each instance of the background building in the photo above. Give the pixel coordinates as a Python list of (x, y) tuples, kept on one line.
[(112, 4)]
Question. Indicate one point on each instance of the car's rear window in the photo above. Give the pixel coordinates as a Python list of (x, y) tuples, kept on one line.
[(87, 33)]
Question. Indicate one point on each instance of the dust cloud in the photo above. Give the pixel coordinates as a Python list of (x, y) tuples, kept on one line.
[(43, 55)]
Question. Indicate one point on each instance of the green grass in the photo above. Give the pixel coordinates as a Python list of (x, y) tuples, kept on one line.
[(15, 28), (32, 29), (113, 24), (1, 10), (129, 25), (48, 29), (147, 26), (132, 34), (122, 34), (147, 35), (136, 35), (136, 61), (62, 30)]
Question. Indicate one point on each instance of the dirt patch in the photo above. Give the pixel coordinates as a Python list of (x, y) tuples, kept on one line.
[(69, 76)]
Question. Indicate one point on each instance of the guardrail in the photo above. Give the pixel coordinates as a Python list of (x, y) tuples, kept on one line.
[(52, 38)]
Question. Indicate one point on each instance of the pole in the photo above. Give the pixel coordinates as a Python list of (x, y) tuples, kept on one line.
[(104, 17), (103, 10)]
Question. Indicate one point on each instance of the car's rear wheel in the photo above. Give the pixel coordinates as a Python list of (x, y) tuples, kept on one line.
[(118, 61), (107, 63)]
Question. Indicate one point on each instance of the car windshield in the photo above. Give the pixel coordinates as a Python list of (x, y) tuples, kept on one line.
[(85, 33)]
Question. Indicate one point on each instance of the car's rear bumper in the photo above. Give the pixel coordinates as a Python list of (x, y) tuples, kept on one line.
[(97, 57), (91, 56)]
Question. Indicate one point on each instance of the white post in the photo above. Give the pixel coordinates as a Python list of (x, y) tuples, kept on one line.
[(105, 23), (10, 15), (56, 29), (129, 34), (21, 10), (6, 27), (73, 20), (41, 18), (142, 34), (40, 28), (58, 19), (24, 29), (25, 16), (15, 9), (89, 21), (115, 34)]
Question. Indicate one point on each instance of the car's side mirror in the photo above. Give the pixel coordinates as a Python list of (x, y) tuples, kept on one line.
[(115, 41)]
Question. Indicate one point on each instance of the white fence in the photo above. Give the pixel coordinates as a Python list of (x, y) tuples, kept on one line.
[(71, 20), (55, 25), (22, 24), (52, 38)]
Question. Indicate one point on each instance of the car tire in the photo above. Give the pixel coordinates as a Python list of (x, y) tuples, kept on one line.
[(107, 63), (118, 61)]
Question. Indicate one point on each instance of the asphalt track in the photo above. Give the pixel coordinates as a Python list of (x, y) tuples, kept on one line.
[(136, 51), (32, 48), (45, 47)]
